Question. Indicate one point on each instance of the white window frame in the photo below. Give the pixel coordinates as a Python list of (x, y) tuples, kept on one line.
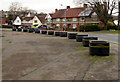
[(63, 19), (18, 21), (49, 19), (74, 26), (74, 19), (58, 25), (58, 19), (64, 25)]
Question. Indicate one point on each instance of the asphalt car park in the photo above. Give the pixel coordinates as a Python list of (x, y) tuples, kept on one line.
[(31, 56)]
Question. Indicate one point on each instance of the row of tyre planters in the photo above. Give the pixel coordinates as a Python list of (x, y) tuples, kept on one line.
[(72, 35), (43, 31), (50, 32), (99, 48), (63, 34), (25, 30), (57, 33), (96, 47), (37, 31), (79, 37), (86, 40)]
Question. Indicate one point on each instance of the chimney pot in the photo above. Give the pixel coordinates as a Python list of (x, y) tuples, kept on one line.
[(56, 10), (85, 5), (68, 7)]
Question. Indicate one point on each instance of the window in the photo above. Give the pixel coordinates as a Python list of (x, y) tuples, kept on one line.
[(82, 19), (58, 25), (94, 18), (63, 19), (49, 19), (58, 19), (17, 21), (74, 19), (74, 25), (35, 21), (64, 25)]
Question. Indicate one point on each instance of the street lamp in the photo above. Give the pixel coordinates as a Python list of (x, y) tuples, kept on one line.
[(65, 25), (119, 15)]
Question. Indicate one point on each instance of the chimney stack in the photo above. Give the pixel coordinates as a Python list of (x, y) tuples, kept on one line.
[(56, 10), (68, 7), (85, 5)]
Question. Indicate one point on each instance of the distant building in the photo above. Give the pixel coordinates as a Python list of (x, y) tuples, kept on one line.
[(37, 19), (72, 17), (2, 18)]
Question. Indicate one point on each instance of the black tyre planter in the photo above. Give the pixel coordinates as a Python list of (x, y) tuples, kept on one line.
[(79, 37), (37, 31), (57, 33), (72, 35), (13, 29), (25, 30), (99, 48), (31, 30), (50, 32), (43, 31), (87, 39), (19, 29), (63, 34)]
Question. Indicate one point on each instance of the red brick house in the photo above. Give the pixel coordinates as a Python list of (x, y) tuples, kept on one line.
[(2, 18), (73, 17)]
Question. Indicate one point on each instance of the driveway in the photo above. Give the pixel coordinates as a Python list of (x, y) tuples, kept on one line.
[(30, 56)]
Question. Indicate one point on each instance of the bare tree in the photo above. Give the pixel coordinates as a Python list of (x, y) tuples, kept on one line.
[(17, 9), (15, 6), (104, 9)]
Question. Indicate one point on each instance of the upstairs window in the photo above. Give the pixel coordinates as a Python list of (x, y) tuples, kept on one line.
[(49, 19), (35, 21), (17, 21), (63, 19), (58, 19), (82, 19), (74, 19)]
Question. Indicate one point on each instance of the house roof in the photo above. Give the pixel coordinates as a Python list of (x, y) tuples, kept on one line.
[(41, 17), (26, 18), (86, 12), (70, 12), (51, 14)]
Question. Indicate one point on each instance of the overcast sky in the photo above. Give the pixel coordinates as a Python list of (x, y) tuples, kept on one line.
[(46, 6), (39, 5)]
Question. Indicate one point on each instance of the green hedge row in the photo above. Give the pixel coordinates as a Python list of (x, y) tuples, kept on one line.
[(7, 26), (89, 27)]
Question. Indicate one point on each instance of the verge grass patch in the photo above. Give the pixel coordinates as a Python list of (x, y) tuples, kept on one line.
[(110, 57), (81, 48), (9, 41)]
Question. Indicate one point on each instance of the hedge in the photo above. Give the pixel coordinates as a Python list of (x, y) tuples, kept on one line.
[(89, 27), (7, 26)]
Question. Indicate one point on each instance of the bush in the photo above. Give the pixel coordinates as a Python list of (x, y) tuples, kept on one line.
[(110, 25), (89, 27), (7, 26), (57, 27)]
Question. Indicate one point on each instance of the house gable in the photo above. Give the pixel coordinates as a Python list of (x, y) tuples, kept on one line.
[(48, 16), (17, 21), (36, 21)]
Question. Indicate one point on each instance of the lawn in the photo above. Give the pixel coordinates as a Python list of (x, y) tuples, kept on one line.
[(109, 31)]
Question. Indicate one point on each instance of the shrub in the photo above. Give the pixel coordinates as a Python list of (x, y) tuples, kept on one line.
[(89, 27), (110, 25), (57, 27), (7, 26)]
